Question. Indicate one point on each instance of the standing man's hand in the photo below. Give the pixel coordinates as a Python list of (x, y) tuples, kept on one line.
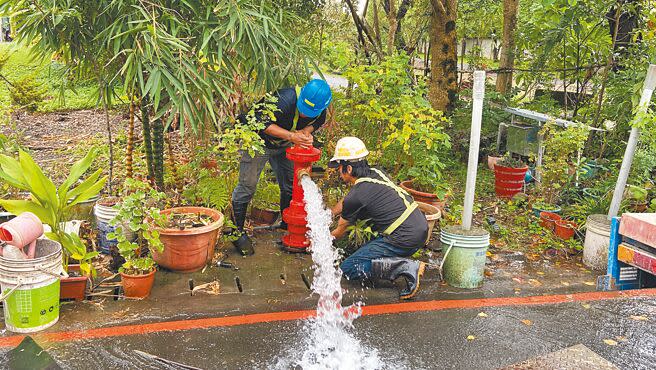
[(302, 139)]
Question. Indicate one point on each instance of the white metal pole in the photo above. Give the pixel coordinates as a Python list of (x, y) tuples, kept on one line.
[(474, 142), (648, 90)]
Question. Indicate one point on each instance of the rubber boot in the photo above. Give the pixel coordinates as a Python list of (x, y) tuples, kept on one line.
[(243, 244), (394, 267)]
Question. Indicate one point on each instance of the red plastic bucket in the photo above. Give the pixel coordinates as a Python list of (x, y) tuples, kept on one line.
[(508, 181)]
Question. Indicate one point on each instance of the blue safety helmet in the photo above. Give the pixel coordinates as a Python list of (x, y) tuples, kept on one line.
[(315, 96)]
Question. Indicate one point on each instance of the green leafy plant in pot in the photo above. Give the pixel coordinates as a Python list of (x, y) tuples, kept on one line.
[(266, 203), (139, 211), (53, 204)]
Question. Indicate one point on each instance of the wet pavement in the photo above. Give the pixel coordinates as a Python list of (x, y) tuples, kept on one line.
[(417, 340), (273, 281)]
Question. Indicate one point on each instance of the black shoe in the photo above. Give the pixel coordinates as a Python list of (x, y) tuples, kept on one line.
[(244, 245), (395, 267)]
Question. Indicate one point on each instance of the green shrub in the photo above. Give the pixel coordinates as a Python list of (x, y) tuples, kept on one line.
[(26, 93)]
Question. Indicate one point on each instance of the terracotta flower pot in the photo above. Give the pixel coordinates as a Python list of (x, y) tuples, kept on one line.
[(73, 287), (432, 214), (423, 197), (508, 181), (264, 216), (188, 250), (548, 220), (137, 286), (565, 229)]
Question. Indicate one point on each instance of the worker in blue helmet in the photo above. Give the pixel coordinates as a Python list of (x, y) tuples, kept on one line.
[(299, 113)]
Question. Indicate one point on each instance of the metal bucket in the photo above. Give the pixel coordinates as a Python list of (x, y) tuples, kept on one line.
[(463, 265), (30, 288), (597, 240)]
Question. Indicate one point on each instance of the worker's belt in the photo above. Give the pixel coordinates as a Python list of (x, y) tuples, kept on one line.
[(409, 206), (282, 142)]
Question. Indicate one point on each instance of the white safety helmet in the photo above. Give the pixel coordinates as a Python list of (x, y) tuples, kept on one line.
[(348, 149)]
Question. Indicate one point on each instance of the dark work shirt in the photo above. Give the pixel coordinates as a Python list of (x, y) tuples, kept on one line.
[(285, 118), (382, 205)]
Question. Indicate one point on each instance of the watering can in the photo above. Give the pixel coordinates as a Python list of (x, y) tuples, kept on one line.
[(19, 233)]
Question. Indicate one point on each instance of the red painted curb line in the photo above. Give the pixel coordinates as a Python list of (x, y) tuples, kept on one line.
[(383, 309)]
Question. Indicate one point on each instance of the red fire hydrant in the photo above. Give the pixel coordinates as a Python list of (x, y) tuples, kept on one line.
[(295, 215)]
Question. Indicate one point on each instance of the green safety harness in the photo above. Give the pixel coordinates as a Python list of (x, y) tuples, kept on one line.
[(409, 206), (294, 122)]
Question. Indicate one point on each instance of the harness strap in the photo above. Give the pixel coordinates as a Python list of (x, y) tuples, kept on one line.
[(409, 206)]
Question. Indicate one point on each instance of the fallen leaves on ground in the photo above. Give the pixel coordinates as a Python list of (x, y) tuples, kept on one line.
[(471, 337), (586, 306), (120, 314), (527, 322), (518, 280), (534, 282), (639, 318), (212, 287), (621, 338), (540, 273), (590, 283), (482, 314), (564, 283), (610, 342)]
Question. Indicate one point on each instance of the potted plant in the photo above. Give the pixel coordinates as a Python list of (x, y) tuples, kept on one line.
[(140, 213), (424, 168), (509, 176), (541, 206), (266, 203), (53, 204), (189, 237)]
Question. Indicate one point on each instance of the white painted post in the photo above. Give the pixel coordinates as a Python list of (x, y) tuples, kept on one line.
[(2, 31), (648, 90), (474, 142)]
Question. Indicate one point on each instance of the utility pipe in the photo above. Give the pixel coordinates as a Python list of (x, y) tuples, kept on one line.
[(647, 91), (474, 142)]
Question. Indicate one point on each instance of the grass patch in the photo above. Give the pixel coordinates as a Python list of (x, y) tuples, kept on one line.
[(48, 74)]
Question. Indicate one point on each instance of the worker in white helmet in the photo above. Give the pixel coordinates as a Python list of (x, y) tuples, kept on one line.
[(393, 212)]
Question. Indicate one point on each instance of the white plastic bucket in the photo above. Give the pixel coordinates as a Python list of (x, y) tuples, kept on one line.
[(30, 288), (106, 214), (597, 240)]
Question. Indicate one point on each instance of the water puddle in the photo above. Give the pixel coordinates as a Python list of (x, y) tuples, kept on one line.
[(329, 342)]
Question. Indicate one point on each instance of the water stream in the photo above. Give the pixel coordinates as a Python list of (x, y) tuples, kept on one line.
[(329, 342)]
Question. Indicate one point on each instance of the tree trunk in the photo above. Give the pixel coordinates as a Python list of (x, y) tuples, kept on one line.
[(393, 23), (376, 22), (507, 62), (148, 146), (443, 84), (158, 152), (130, 150), (111, 147)]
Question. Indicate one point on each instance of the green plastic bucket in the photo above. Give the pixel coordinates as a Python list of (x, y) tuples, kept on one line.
[(463, 265), (30, 289)]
